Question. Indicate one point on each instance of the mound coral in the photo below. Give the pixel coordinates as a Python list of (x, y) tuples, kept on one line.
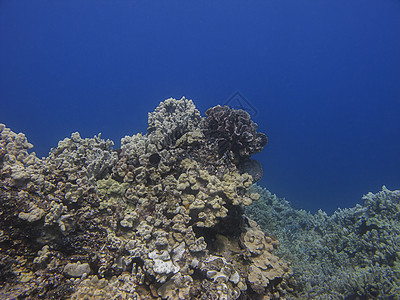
[(159, 218)]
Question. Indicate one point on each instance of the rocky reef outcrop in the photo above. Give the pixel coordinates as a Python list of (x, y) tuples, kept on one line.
[(161, 217)]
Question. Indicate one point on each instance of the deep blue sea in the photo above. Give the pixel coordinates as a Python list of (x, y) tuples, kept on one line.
[(320, 77)]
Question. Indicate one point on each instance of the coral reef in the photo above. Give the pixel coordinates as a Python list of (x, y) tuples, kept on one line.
[(175, 214), (352, 254), (161, 217), (72, 168)]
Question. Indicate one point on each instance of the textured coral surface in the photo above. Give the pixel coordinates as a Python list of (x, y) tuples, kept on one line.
[(161, 217), (352, 254)]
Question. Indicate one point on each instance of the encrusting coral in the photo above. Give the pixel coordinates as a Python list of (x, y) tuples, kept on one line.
[(159, 218)]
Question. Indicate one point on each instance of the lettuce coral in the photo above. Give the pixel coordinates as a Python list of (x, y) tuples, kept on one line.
[(233, 132)]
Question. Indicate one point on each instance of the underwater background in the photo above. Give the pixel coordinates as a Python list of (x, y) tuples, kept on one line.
[(321, 79)]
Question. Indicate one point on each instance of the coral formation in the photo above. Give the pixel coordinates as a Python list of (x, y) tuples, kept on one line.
[(233, 132), (159, 218), (17, 165), (171, 120), (352, 254)]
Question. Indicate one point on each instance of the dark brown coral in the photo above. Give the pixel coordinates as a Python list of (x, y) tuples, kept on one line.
[(233, 133)]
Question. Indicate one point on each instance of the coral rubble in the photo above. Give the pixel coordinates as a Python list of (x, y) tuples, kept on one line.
[(162, 217)]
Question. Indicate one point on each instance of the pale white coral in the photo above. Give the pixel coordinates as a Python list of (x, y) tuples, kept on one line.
[(33, 214), (16, 162), (77, 269)]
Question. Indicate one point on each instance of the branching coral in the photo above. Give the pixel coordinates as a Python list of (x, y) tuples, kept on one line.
[(352, 253)]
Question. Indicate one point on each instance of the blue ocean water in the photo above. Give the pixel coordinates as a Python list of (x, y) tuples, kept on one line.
[(322, 79)]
